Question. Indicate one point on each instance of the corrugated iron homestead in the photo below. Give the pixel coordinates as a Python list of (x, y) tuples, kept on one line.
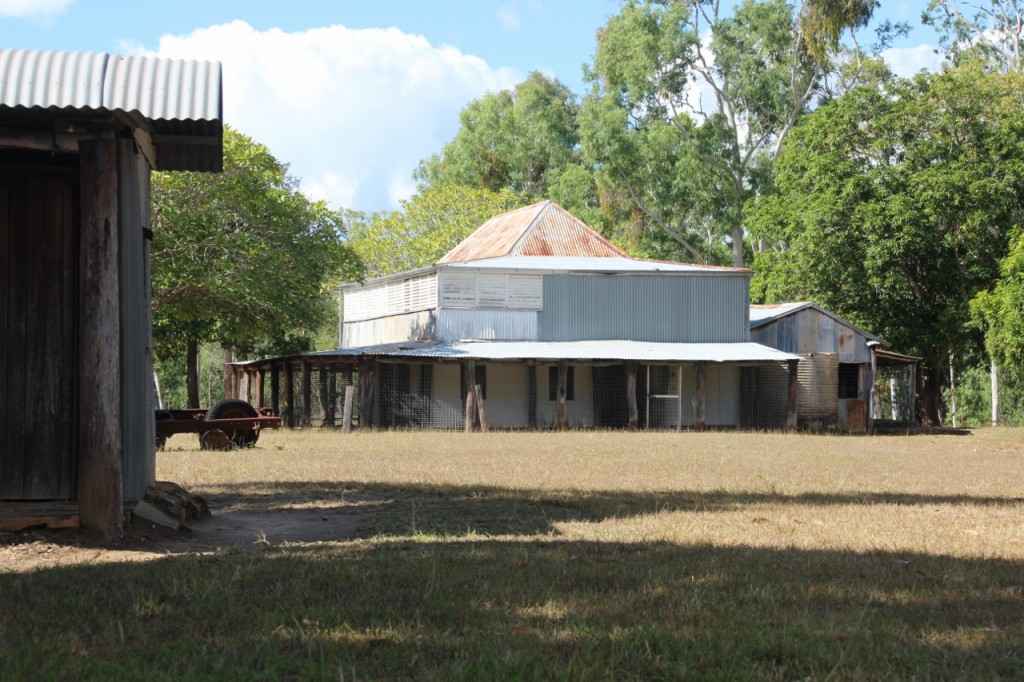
[(535, 321)]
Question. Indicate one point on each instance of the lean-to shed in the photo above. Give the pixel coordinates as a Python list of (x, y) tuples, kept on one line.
[(79, 134), (839, 366)]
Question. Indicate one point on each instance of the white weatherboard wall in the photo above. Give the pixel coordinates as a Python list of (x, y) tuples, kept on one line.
[(389, 312), (491, 306)]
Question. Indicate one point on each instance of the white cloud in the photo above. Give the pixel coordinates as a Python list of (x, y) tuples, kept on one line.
[(349, 110), (908, 61), (33, 8)]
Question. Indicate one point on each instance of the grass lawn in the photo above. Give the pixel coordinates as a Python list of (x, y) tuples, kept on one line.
[(581, 555)]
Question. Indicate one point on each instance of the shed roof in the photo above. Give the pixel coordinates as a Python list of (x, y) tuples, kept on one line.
[(577, 264), (613, 350), (541, 229), (761, 315), (176, 101)]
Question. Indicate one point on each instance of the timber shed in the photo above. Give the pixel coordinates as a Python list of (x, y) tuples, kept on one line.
[(840, 366), (79, 135), (535, 320)]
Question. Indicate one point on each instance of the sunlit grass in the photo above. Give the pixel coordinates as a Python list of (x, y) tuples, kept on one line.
[(581, 555)]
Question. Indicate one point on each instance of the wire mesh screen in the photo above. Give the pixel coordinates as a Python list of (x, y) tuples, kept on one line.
[(525, 395), (893, 393)]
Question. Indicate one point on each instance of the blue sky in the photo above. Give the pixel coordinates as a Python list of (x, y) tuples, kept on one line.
[(353, 94)]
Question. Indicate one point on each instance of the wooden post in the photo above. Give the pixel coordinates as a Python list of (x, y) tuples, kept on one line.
[(228, 372), (307, 397), (634, 414), (275, 388), (481, 410), (100, 486), (469, 391), (700, 388), (346, 416), (328, 394), (791, 396), (561, 420), (289, 397), (261, 377), (893, 402), (952, 391), (366, 372), (531, 396)]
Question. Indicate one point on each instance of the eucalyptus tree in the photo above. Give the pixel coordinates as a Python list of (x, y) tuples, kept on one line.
[(690, 105), (519, 140), (895, 207), (425, 227), (241, 258), (991, 29)]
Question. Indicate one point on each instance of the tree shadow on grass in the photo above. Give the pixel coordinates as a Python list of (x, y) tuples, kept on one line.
[(534, 609), (457, 510)]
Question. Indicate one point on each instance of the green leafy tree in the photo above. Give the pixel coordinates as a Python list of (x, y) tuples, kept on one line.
[(991, 29), (241, 258), (895, 206), (690, 106), (1000, 311), (520, 140), (427, 226)]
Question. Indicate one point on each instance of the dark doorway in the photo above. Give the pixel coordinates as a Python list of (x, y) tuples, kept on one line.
[(38, 308)]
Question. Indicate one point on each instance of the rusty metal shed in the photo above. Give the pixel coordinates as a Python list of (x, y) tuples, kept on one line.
[(840, 362), (79, 134)]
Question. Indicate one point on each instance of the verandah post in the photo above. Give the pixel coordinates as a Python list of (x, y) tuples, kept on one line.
[(634, 414), (791, 401), (561, 420)]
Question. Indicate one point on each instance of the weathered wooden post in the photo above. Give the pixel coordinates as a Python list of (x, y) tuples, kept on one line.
[(346, 415), (531, 396), (305, 415), (791, 395), (700, 389), (327, 394), (634, 414), (275, 388), (367, 369), (481, 409), (261, 377), (469, 390), (100, 488), (289, 397), (561, 419)]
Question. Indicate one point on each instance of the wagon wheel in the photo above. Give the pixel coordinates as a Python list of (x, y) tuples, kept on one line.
[(217, 439)]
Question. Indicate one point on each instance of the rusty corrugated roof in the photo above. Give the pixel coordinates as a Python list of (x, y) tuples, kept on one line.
[(541, 229)]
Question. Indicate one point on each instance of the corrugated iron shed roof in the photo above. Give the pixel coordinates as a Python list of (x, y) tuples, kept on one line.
[(541, 229), (615, 350), (761, 315), (615, 264), (178, 100)]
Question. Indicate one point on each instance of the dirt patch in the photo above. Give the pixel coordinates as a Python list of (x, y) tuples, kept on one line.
[(238, 529)]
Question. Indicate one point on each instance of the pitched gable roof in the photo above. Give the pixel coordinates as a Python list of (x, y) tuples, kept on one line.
[(541, 229), (761, 315)]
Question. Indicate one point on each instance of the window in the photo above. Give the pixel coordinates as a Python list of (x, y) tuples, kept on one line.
[(481, 378), (849, 381), (570, 383)]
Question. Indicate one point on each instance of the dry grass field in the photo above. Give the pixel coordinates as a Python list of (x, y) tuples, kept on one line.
[(580, 555)]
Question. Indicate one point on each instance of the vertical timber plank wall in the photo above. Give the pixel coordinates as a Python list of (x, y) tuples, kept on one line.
[(37, 334), (137, 408), (100, 492)]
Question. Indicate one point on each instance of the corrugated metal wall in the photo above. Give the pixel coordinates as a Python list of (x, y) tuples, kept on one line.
[(809, 331), (138, 455), (663, 308), (503, 325), (409, 327), (818, 395)]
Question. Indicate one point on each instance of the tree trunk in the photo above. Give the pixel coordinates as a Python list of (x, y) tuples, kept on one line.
[(932, 382), (737, 247), (192, 371), (995, 394)]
